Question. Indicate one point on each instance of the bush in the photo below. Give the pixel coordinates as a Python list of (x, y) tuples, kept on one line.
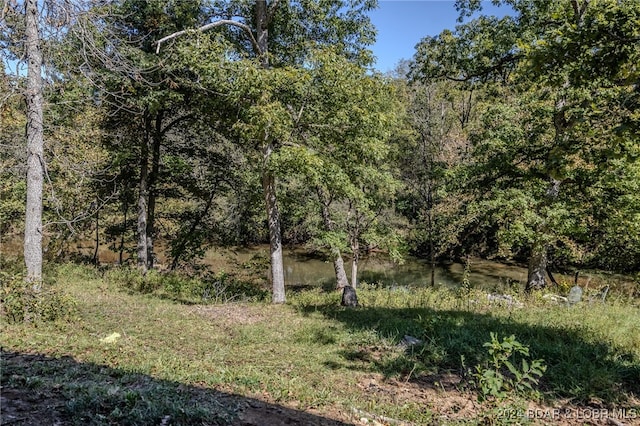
[(206, 287), (222, 288), (21, 303), (132, 280)]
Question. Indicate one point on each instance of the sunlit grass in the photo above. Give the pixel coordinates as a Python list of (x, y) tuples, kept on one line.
[(314, 354)]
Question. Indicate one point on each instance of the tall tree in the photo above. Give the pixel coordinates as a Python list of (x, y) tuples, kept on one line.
[(35, 147), (343, 125), (114, 50), (277, 34), (32, 32), (438, 114)]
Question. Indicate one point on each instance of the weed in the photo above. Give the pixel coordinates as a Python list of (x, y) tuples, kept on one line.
[(503, 374), (464, 291)]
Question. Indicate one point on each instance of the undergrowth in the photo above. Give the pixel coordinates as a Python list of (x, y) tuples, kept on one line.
[(509, 371), (204, 287), (21, 302)]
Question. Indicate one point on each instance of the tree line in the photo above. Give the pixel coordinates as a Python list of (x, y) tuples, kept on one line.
[(171, 127)]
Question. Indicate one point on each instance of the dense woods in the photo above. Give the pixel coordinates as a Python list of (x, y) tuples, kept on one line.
[(164, 128)]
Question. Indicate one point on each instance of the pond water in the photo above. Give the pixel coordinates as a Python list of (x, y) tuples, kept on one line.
[(305, 270)]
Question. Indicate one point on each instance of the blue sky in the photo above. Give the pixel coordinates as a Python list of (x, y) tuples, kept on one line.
[(402, 24)]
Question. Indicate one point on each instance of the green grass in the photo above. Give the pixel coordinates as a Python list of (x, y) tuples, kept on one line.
[(592, 350), (193, 362)]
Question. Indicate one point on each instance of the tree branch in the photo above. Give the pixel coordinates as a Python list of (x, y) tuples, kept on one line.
[(5, 7), (272, 10), (219, 23), (172, 123)]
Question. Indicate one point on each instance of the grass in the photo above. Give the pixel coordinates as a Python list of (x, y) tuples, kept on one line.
[(200, 364)]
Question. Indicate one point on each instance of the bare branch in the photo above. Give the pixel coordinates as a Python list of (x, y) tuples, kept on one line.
[(5, 7), (221, 22), (272, 10)]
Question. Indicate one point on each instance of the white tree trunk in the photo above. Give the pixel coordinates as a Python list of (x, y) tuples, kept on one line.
[(35, 150), (268, 179), (341, 274), (354, 269), (275, 239), (338, 263)]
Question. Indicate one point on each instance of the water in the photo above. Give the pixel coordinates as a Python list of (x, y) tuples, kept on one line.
[(304, 270)]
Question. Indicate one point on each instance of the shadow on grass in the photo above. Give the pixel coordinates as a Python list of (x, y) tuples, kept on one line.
[(40, 390), (585, 371)]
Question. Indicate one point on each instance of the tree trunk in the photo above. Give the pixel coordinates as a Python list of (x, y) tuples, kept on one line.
[(262, 32), (275, 239), (96, 259), (538, 260), (341, 274), (35, 150), (179, 251), (268, 179), (355, 249), (156, 142), (338, 262), (432, 253), (125, 208), (354, 239), (433, 270), (537, 267), (143, 197)]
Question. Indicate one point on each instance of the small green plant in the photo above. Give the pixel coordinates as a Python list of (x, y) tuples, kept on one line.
[(503, 375)]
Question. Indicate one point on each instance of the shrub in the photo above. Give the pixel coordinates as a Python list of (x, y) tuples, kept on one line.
[(206, 287), (21, 303), (222, 288), (126, 277)]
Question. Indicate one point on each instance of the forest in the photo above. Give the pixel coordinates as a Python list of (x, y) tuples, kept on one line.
[(162, 130), (177, 126)]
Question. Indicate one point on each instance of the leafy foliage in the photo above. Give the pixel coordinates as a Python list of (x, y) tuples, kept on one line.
[(205, 287), (503, 137), (22, 303), (546, 134), (503, 374)]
